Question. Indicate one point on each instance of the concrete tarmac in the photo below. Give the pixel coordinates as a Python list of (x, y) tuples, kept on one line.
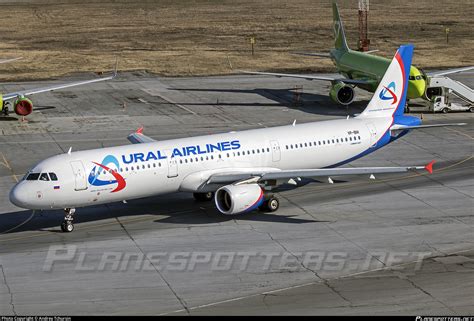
[(399, 244)]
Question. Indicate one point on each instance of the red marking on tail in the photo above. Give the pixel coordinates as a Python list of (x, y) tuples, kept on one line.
[(429, 166), (139, 130)]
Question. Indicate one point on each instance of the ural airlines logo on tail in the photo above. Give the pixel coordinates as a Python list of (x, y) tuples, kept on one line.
[(102, 169), (390, 91)]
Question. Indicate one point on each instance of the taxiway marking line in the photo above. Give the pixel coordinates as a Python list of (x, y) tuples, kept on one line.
[(7, 165), (460, 132)]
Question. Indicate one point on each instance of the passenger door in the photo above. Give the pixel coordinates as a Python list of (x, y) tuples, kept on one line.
[(79, 175), (373, 134), (276, 153), (172, 164)]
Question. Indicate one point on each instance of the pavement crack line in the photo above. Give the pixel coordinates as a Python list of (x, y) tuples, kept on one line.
[(427, 204), (338, 233), (323, 280), (416, 286), (181, 301), (9, 291)]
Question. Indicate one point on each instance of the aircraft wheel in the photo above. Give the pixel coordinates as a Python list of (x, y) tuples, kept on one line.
[(270, 205), (67, 227), (273, 204), (203, 197)]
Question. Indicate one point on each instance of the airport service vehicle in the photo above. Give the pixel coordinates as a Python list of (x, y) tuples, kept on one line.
[(23, 106), (238, 169), (363, 70)]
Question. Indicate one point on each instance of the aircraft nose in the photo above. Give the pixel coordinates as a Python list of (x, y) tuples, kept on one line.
[(18, 196), (420, 88)]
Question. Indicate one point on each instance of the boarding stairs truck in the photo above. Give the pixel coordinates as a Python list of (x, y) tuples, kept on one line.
[(440, 90)]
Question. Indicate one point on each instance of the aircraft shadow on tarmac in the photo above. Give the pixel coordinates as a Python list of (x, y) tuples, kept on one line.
[(308, 102), (172, 209)]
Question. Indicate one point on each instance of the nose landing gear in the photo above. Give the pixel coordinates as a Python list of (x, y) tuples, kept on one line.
[(66, 225)]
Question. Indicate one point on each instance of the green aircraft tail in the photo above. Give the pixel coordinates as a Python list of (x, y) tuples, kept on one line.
[(340, 42)]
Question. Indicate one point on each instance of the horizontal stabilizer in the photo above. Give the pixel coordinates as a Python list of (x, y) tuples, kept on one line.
[(405, 127), (313, 54)]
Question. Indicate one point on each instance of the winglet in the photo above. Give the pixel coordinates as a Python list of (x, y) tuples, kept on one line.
[(115, 67), (139, 130), (429, 166)]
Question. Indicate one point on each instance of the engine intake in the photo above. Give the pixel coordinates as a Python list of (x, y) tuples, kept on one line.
[(342, 93), (23, 106), (237, 199)]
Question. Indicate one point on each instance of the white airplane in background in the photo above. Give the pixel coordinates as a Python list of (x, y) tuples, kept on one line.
[(23, 106), (241, 168)]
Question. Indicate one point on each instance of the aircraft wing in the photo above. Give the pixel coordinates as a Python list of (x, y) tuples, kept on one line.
[(29, 92), (228, 178), (310, 77), (139, 138), (448, 71), (4, 61)]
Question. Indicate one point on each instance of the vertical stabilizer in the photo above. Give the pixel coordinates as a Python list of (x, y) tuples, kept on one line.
[(390, 97), (340, 42)]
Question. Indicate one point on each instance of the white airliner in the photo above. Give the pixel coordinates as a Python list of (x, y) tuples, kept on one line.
[(240, 168)]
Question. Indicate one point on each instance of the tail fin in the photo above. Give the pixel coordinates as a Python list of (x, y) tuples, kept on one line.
[(340, 42), (390, 97)]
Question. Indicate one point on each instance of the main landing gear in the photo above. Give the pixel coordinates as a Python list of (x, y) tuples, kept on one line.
[(66, 225), (204, 197), (270, 204)]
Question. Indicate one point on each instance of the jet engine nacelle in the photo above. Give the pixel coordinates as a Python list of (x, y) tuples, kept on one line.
[(236, 199), (341, 93), (23, 106)]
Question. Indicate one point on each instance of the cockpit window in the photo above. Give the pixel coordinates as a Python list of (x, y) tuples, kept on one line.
[(33, 176), (412, 77), (53, 176), (418, 77), (44, 177)]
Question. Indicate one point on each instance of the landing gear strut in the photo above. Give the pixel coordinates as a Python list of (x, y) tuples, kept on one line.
[(66, 225), (203, 197), (270, 204)]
